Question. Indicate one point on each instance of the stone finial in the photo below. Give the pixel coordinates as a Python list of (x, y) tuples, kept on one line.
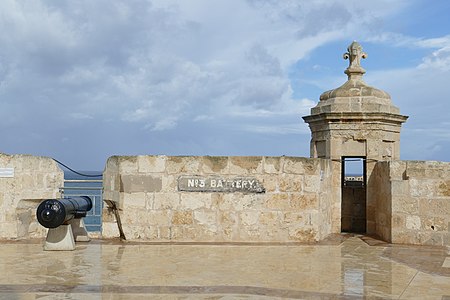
[(354, 54)]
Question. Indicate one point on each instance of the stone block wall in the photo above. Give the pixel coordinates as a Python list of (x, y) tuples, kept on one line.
[(297, 204), (28, 181), (408, 201), (420, 202), (379, 194)]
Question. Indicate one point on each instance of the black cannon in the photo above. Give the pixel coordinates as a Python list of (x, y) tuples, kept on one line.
[(52, 213)]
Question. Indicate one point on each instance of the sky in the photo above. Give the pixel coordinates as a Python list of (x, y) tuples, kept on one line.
[(83, 80)]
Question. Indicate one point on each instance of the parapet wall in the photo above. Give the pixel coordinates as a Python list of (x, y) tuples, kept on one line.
[(25, 181), (301, 199), (219, 199), (236, 199), (380, 193), (413, 202), (420, 193)]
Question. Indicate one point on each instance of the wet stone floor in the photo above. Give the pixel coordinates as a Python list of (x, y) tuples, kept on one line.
[(346, 267)]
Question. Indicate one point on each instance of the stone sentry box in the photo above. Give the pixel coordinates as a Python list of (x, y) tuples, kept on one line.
[(218, 199)]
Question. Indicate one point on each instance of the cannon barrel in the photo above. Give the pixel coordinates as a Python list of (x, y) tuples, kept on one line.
[(52, 213)]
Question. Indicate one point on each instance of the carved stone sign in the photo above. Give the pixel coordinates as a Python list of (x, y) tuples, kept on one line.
[(219, 184)]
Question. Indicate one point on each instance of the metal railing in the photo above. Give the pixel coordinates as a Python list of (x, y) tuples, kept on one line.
[(93, 189)]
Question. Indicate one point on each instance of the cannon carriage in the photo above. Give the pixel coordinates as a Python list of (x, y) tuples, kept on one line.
[(64, 220)]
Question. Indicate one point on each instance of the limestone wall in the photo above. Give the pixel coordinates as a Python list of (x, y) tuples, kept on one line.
[(25, 181), (379, 193), (296, 205), (273, 199), (420, 193), (411, 202)]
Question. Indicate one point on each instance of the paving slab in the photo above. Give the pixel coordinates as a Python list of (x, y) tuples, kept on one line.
[(346, 267)]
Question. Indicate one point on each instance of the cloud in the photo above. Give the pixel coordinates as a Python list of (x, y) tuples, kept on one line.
[(80, 116), (145, 61), (133, 70), (293, 128), (420, 92), (162, 125), (439, 59)]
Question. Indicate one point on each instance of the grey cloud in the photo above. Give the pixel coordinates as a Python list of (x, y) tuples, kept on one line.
[(332, 16), (265, 64), (131, 77), (261, 92)]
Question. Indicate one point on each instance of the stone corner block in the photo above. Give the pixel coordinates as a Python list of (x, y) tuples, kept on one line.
[(215, 164), (246, 164), (182, 164), (151, 164), (140, 183)]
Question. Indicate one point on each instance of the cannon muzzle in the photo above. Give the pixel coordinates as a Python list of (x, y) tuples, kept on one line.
[(52, 213)]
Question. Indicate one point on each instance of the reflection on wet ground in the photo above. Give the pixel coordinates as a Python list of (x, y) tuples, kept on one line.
[(345, 267)]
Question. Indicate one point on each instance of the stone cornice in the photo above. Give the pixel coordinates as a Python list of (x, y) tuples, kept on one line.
[(357, 117)]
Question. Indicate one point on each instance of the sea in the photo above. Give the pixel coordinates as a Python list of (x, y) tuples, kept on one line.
[(86, 183)]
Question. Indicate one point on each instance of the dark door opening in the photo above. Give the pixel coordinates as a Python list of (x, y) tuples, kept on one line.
[(353, 206)]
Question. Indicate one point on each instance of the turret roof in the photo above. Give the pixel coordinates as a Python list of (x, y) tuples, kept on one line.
[(355, 85)]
